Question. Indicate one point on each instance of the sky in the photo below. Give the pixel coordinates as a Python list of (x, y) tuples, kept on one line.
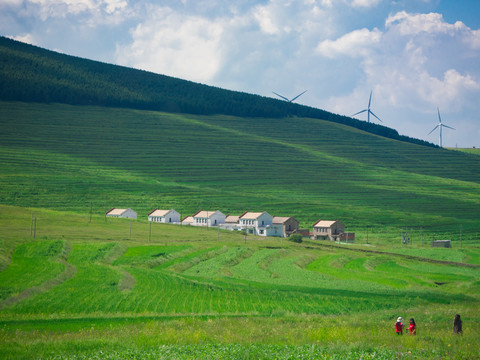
[(415, 56)]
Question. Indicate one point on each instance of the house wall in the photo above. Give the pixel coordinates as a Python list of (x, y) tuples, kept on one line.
[(264, 220), (129, 214), (290, 226), (217, 219)]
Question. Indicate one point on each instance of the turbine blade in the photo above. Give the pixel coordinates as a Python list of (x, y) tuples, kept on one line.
[(360, 112), (448, 127), (370, 99), (371, 112), (283, 97), (439, 118), (435, 128), (296, 97)]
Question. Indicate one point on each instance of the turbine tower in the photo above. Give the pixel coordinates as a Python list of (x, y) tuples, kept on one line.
[(368, 110), (289, 100), (440, 126)]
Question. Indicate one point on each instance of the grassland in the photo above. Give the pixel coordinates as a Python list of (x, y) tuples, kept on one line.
[(203, 293), (78, 158)]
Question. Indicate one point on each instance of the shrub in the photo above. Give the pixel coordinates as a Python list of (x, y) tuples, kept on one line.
[(295, 238)]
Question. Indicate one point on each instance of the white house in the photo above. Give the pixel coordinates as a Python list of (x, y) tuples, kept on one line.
[(259, 223), (164, 216), (208, 218), (121, 213)]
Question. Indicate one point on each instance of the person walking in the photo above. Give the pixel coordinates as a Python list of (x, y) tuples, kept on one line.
[(399, 326), (412, 327), (457, 325)]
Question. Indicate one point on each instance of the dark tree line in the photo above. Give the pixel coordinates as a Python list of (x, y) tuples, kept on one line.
[(32, 74)]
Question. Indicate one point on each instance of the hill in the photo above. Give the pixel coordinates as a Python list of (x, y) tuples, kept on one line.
[(32, 74), (77, 157)]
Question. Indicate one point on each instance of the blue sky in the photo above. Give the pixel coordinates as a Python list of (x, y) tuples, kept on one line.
[(415, 55)]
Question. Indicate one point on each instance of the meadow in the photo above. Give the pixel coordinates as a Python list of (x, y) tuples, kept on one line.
[(87, 288), (88, 159)]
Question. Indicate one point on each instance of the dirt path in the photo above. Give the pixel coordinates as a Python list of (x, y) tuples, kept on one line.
[(68, 273)]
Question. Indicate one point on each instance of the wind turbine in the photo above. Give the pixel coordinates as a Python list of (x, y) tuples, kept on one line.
[(289, 100), (368, 110), (440, 125)]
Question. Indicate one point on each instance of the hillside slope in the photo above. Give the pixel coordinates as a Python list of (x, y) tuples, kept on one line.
[(73, 157), (29, 73)]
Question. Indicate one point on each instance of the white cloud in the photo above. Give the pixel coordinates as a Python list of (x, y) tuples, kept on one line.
[(412, 24), (365, 3), (353, 44), (173, 44)]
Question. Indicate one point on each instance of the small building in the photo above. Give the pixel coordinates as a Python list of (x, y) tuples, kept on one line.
[(121, 213), (328, 230), (442, 243), (208, 218), (164, 216), (348, 237), (187, 220), (231, 223), (259, 223), (289, 225)]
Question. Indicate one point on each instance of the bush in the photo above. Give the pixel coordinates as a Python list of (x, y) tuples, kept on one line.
[(295, 238)]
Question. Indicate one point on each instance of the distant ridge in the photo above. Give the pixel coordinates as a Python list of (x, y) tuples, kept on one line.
[(32, 74)]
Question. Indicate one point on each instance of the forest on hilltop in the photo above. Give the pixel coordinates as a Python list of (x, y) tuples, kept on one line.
[(32, 74)]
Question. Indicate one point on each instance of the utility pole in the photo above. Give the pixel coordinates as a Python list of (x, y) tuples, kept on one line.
[(150, 231), (460, 236), (35, 227), (90, 212), (130, 236), (367, 234), (31, 226)]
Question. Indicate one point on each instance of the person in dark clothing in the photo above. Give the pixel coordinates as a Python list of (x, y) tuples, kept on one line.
[(457, 325)]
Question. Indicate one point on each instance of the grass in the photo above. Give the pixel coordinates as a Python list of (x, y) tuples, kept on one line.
[(54, 156), (189, 294)]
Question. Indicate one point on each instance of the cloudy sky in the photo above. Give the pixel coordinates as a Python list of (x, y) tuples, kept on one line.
[(415, 55)]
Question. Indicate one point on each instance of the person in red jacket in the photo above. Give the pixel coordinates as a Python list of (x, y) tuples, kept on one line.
[(412, 327), (399, 326)]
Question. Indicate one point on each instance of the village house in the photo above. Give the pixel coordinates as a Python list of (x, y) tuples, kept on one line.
[(289, 225), (231, 223), (259, 223), (328, 230), (121, 213), (208, 218), (164, 216)]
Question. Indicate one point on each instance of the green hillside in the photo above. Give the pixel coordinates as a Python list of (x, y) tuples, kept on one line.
[(74, 157), (32, 74)]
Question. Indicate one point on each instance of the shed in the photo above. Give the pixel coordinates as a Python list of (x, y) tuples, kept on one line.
[(442, 243)]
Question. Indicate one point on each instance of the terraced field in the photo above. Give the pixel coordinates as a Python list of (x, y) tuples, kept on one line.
[(181, 288)]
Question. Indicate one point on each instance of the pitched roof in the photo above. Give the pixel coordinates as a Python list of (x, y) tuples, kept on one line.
[(188, 219), (205, 214), (232, 219), (116, 211), (157, 212), (251, 215), (324, 223), (280, 219)]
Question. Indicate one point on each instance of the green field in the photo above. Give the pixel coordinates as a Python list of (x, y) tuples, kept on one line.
[(86, 288), (78, 158)]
